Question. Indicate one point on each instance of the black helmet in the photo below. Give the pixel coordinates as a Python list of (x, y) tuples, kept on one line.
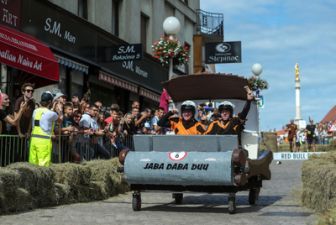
[(188, 105), (226, 105)]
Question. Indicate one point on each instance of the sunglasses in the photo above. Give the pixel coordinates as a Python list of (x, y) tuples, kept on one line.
[(29, 90)]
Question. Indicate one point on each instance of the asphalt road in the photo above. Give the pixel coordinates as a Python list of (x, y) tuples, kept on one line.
[(279, 203)]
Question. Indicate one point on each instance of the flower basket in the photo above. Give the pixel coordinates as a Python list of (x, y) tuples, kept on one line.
[(167, 48), (256, 83)]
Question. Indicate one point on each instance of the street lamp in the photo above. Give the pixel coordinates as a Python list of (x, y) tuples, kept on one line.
[(171, 26), (257, 69)]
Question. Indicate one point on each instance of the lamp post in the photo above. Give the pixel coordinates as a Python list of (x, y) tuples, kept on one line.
[(257, 70), (171, 26)]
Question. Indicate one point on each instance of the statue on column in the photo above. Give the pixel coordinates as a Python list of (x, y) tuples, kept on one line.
[(297, 72)]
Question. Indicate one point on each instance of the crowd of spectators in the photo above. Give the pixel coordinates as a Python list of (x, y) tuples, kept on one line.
[(314, 133), (91, 129)]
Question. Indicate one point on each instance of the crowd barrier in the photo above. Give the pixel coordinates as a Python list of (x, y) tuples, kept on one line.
[(66, 148)]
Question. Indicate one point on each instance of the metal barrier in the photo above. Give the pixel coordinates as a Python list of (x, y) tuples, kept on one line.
[(66, 148)]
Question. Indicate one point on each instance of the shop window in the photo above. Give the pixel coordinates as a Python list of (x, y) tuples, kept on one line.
[(115, 17), (83, 9), (144, 28)]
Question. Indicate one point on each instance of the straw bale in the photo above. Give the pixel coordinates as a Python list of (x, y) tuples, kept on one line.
[(38, 181), (105, 174), (319, 182), (72, 174), (76, 179), (9, 179), (269, 141), (328, 217), (12, 197), (62, 194)]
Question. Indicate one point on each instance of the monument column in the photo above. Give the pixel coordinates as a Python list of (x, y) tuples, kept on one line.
[(297, 93)]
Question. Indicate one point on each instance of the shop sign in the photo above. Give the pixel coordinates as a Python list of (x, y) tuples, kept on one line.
[(10, 13), (126, 52), (223, 52)]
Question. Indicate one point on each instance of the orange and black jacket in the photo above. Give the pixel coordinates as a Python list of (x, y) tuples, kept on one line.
[(180, 126), (233, 125)]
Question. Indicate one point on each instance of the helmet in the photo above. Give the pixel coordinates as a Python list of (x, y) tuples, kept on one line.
[(226, 105), (188, 105)]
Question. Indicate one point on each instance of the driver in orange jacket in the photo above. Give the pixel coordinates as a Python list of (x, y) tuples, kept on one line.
[(186, 124)]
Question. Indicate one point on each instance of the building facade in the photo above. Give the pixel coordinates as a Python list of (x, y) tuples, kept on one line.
[(81, 34)]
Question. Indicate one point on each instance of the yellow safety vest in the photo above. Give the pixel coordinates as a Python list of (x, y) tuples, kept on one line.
[(37, 131)]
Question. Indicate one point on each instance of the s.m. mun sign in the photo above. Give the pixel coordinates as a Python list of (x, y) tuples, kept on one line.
[(223, 52)]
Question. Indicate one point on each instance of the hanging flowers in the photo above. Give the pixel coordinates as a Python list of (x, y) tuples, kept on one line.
[(167, 48), (255, 83)]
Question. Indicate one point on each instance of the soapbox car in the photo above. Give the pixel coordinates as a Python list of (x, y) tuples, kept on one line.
[(200, 163)]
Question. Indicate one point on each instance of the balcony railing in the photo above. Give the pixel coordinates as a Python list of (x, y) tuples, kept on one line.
[(210, 23)]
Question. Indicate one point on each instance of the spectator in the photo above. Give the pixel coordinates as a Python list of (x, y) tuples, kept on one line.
[(90, 126), (165, 99), (99, 104), (311, 135), (5, 116), (157, 116), (115, 135), (135, 104), (147, 127), (128, 125), (75, 102), (68, 122), (43, 123), (292, 130), (24, 123), (60, 97), (114, 107), (140, 121)]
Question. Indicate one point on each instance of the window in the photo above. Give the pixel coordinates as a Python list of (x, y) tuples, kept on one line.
[(143, 30), (83, 9), (115, 17)]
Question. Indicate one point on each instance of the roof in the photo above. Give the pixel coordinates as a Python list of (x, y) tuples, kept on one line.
[(331, 115), (206, 86)]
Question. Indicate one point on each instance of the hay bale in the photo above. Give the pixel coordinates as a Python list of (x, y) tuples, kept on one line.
[(38, 181), (328, 218), (269, 141), (62, 193), (76, 177), (319, 182), (13, 198), (105, 177)]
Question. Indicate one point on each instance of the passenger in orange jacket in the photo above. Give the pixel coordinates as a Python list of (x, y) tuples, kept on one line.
[(184, 125), (229, 124)]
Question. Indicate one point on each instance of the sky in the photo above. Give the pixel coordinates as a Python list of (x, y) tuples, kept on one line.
[(278, 34)]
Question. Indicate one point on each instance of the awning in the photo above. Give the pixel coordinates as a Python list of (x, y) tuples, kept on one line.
[(24, 52), (149, 94), (72, 64), (117, 82)]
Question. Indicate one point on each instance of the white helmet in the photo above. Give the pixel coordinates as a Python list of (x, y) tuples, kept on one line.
[(188, 105), (226, 105)]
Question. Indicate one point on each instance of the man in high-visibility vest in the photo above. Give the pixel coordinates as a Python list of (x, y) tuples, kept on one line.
[(43, 124)]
